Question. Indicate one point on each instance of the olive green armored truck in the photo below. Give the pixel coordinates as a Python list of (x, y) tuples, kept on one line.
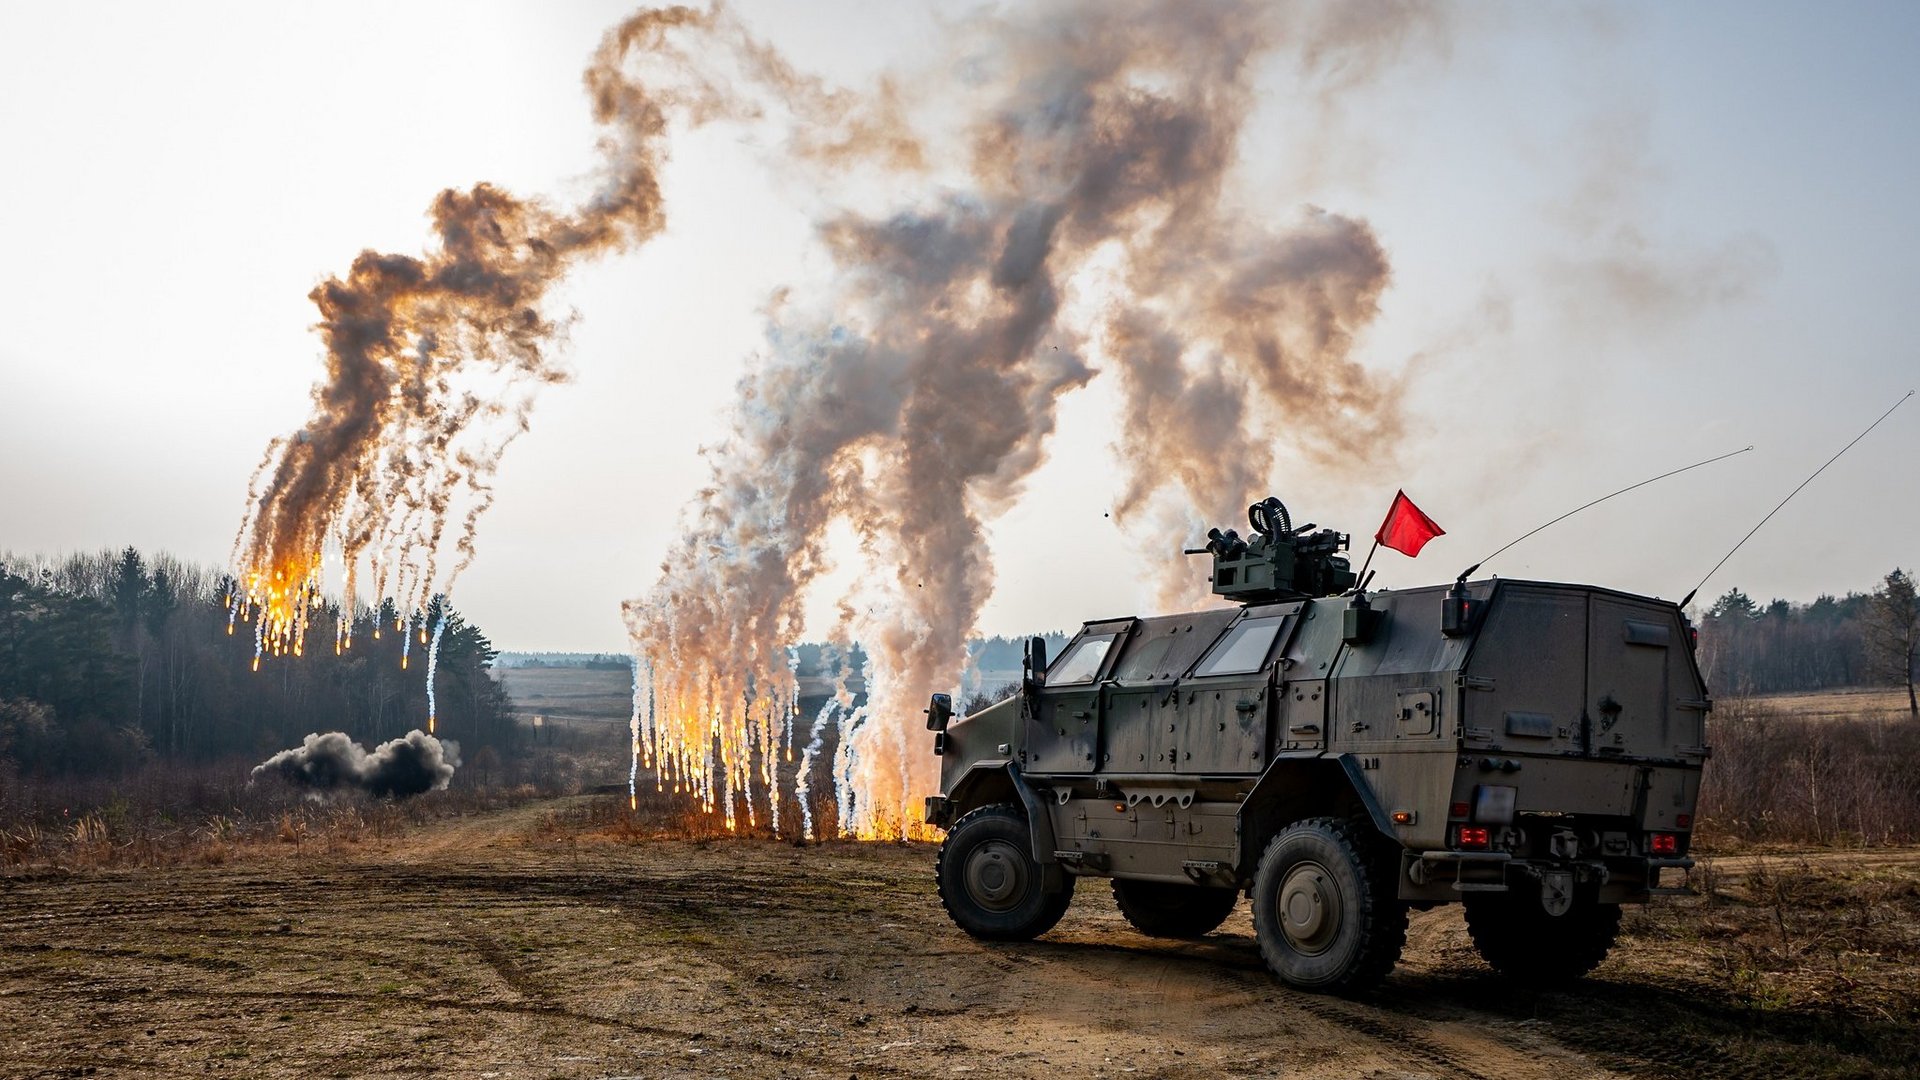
[(1529, 749)]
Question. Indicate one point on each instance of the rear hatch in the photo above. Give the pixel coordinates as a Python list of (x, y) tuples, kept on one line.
[(1577, 671)]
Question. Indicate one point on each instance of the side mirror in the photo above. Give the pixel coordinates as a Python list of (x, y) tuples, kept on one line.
[(939, 710), (1036, 663)]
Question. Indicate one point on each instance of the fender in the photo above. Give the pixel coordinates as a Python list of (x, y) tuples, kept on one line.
[(995, 781), (1297, 787)]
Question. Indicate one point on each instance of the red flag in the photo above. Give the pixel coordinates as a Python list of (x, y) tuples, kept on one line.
[(1406, 529)]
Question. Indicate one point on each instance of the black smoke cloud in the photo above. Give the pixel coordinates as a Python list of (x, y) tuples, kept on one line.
[(405, 766)]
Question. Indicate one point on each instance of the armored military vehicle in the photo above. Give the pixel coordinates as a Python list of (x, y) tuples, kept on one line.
[(1529, 749)]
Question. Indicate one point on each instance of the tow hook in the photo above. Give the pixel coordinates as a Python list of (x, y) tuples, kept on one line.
[(1556, 891)]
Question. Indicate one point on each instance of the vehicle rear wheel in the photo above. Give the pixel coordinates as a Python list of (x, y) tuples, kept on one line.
[(1514, 933), (1324, 907), (1161, 909), (990, 883)]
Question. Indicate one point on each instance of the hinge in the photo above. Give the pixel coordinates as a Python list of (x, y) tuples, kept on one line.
[(1475, 682)]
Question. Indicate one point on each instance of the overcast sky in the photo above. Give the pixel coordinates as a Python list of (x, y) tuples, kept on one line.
[(1623, 238)]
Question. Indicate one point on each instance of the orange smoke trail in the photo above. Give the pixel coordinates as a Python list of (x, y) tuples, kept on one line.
[(432, 361)]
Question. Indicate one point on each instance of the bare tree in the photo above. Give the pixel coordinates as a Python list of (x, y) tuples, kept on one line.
[(1893, 634)]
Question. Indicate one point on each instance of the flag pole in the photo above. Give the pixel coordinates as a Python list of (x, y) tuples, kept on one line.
[(1369, 562)]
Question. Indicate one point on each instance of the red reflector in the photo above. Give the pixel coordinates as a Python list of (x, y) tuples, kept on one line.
[(1473, 836), (1458, 809), (1684, 821), (1665, 843)]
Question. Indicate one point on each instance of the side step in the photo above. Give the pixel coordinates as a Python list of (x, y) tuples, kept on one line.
[(1083, 860)]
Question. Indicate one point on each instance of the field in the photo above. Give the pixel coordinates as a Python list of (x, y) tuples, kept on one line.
[(531, 942), (561, 937), (1869, 703)]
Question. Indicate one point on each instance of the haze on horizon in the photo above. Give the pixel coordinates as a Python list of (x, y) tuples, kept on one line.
[(1622, 239)]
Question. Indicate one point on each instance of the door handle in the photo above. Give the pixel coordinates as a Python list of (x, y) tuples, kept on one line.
[(1247, 706), (1082, 714)]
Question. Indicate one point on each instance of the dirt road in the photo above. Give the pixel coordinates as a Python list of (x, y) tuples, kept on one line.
[(492, 947)]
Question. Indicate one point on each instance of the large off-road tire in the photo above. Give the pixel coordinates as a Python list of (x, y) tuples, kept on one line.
[(1160, 909), (1515, 934), (990, 883), (1324, 907)]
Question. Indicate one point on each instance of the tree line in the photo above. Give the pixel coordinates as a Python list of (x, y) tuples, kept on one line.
[(1861, 639), (114, 658)]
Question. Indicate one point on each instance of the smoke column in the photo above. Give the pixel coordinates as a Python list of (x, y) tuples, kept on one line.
[(1072, 217), (916, 394), (432, 361), (410, 765)]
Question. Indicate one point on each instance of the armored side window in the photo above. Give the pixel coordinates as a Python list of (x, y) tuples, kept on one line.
[(1080, 663), (1243, 649)]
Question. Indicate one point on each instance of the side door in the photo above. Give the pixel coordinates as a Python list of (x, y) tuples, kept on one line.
[(1226, 704), (1063, 728)]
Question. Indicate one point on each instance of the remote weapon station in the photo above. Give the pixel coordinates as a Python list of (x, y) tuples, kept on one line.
[(1530, 749)]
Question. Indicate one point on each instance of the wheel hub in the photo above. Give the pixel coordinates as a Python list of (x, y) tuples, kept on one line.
[(997, 875), (1310, 911)]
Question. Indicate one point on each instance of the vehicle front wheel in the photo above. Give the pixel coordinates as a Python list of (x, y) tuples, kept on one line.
[(990, 883), (1514, 933), (1324, 908), (1161, 909)]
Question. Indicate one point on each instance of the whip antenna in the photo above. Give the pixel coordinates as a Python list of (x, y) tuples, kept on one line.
[(1743, 540), (1597, 502)]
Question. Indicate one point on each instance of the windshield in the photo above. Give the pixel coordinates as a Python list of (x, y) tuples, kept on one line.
[(1244, 649)]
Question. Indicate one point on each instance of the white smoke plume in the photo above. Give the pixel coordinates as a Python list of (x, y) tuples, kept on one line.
[(913, 397)]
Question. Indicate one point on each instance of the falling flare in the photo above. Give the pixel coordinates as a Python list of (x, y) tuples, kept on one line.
[(433, 659)]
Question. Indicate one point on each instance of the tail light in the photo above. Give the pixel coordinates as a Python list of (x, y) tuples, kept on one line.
[(1472, 838), (1664, 843)]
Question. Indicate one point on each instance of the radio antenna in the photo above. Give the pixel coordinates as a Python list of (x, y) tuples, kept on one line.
[(1597, 502), (1743, 540)]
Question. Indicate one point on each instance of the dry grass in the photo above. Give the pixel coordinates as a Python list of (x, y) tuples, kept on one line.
[(1779, 777), (1854, 703), (207, 815), (1799, 965)]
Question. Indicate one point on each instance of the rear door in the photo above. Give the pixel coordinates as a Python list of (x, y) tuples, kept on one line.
[(1527, 677), (1642, 696)]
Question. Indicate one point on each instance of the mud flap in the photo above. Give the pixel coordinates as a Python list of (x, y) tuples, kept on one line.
[(1364, 791), (1039, 823)]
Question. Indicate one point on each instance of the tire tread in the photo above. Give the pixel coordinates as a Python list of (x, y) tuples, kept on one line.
[(1044, 919), (1383, 918)]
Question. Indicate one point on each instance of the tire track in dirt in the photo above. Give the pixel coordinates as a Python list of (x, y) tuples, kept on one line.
[(531, 1010), (826, 962)]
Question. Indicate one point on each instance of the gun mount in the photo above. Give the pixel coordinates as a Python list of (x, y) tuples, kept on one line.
[(1278, 562)]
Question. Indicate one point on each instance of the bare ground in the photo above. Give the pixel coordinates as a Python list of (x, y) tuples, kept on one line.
[(514, 944)]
